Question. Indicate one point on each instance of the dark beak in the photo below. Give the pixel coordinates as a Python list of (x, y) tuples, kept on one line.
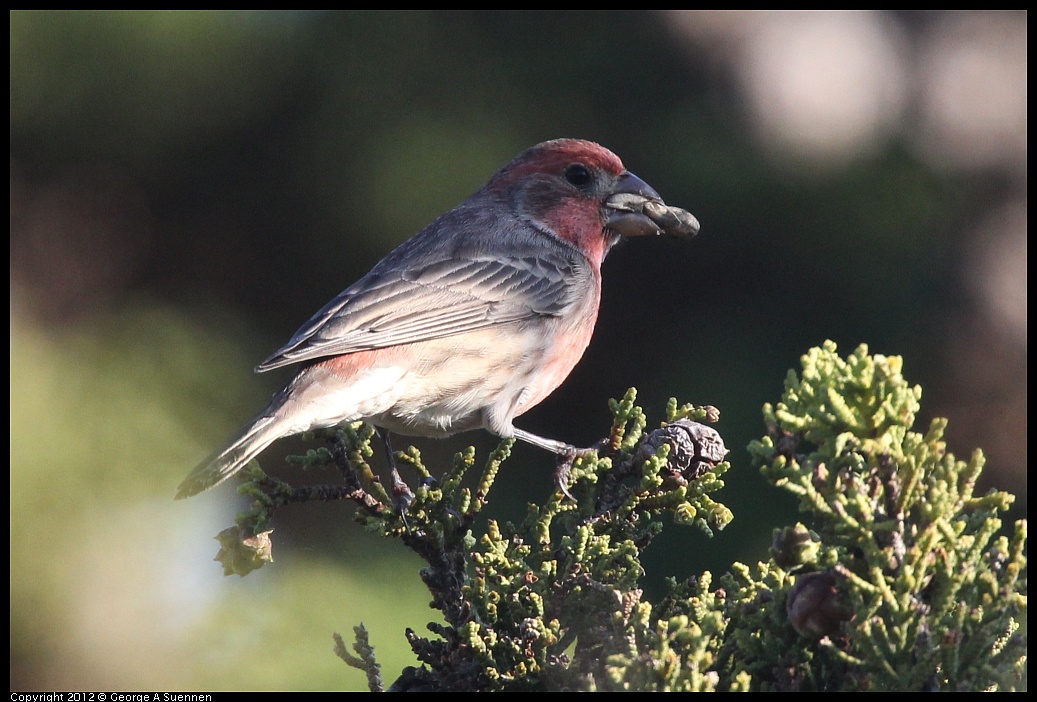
[(635, 209)]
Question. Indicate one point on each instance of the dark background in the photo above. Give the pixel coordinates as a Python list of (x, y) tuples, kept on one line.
[(188, 187)]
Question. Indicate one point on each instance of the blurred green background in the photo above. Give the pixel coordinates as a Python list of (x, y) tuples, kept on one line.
[(188, 187)]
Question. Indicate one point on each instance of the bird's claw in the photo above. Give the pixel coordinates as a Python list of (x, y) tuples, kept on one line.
[(562, 472), (402, 495), (565, 465)]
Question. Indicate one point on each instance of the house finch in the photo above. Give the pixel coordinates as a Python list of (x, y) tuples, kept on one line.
[(471, 322)]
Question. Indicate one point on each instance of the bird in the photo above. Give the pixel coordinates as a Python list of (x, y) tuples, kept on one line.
[(472, 321)]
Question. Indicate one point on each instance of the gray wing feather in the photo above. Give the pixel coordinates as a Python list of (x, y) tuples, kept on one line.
[(442, 298)]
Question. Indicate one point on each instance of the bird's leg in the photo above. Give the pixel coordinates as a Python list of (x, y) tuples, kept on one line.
[(567, 453), (558, 447), (401, 492)]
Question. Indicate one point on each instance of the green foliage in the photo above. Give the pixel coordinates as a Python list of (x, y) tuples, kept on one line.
[(901, 582), (542, 604), (366, 660), (933, 597)]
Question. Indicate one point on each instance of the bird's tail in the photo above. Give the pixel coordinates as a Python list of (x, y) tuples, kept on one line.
[(247, 445)]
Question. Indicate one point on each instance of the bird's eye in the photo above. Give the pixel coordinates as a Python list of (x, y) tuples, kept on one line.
[(578, 174)]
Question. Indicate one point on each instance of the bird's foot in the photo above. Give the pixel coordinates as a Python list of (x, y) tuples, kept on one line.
[(402, 495), (563, 471)]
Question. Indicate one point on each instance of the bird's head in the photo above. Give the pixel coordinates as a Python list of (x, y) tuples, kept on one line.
[(582, 193)]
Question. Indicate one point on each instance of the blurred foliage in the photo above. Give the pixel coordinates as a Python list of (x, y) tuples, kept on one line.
[(188, 186), (109, 580)]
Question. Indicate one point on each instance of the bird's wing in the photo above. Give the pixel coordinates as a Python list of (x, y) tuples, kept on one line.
[(442, 298)]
